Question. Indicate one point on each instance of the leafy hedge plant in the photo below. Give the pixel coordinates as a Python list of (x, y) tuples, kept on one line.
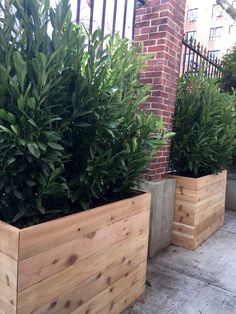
[(228, 78), (228, 83), (71, 132), (205, 127)]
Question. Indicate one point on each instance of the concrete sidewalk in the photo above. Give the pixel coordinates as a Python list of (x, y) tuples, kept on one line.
[(193, 282)]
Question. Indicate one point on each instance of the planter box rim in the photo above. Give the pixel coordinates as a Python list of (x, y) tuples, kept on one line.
[(15, 229), (169, 177), (199, 178)]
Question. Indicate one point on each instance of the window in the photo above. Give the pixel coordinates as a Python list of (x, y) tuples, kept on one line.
[(189, 35), (215, 33), (192, 15), (214, 54), (217, 11)]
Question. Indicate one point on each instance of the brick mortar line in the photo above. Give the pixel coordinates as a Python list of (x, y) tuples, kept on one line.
[(197, 278)]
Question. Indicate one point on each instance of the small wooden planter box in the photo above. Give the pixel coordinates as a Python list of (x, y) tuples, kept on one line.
[(199, 209), (89, 262)]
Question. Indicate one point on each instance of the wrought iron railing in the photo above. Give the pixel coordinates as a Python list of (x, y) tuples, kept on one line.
[(110, 15), (196, 58)]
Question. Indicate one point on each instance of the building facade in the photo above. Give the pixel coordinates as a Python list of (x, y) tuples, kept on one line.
[(210, 25)]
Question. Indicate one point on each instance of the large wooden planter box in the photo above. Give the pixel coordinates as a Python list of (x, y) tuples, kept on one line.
[(89, 262), (199, 209)]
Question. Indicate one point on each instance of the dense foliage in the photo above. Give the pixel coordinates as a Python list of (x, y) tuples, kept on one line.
[(228, 82), (205, 126), (71, 131), (228, 78)]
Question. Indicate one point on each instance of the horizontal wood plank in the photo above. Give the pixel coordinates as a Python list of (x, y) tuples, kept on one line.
[(211, 179), (113, 291), (8, 299), (182, 240), (120, 303), (210, 230), (186, 182), (210, 201), (46, 264), (201, 195), (198, 183), (209, 211), (209, 221), (184, 212), (82, 293), (185, 229), (8, 271), (34, 240), (9, 240), (36, 296)]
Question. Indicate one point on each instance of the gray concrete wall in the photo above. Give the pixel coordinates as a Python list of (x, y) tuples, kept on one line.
[(230, 202), (162, 211)]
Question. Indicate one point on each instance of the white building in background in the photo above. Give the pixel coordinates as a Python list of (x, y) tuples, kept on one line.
[(210, 25)]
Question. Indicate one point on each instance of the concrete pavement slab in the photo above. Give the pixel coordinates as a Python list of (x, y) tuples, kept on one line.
[(202, 281)]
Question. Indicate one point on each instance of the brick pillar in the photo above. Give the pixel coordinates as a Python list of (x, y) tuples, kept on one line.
[(159, 27)]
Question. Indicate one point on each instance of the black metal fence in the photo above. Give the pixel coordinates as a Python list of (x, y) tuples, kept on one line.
[(110, 15), (196, 58)]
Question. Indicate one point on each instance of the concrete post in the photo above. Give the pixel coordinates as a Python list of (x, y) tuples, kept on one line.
[(159, 27)]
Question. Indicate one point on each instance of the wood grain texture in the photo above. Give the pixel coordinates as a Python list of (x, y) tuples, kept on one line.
[(70, 264), (108, 295), (8, 271), (43, 292), (41, 266), (8, 299), (121, 302), (35, 240), (80, 294), (199, 209), (9, 239)]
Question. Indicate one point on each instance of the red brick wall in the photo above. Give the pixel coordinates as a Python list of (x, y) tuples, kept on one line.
[(159, 26)]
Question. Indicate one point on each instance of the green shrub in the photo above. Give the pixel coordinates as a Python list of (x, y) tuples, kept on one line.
[(228, 78), (205, 127), (228, 83), (71, 131)]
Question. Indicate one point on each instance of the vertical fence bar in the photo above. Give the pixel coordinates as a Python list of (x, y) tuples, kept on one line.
[(189, 54), (215, 72), (184, 59), (134, 18), (198, 65), (124, 19), (78, 11), (91, 16), (194, 57), (103, 17), (114, 18), (202, 59), (209, 56)]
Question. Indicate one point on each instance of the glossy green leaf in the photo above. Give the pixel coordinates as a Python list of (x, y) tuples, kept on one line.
[(34, 150)]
